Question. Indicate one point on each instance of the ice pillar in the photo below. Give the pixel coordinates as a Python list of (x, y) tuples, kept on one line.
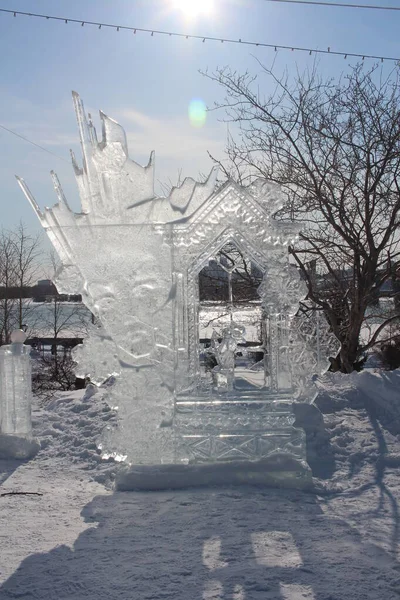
[(15, 387)]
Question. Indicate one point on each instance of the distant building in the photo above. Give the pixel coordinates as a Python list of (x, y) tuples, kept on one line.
[(44, 291), (44, 282)]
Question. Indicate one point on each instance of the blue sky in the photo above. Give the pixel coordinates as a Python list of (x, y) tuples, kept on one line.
[(145, 82)]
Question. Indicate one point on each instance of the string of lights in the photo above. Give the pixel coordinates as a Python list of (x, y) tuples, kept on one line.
[(338, 4), (203, 38), (33, 143)]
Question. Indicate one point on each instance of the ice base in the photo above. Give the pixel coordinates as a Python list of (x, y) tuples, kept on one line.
[(18, 447), (279, 470)]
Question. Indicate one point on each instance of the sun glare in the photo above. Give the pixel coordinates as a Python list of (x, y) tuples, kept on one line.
[(194, 8)]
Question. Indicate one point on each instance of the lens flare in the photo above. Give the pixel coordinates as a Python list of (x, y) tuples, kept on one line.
[(197, 112)]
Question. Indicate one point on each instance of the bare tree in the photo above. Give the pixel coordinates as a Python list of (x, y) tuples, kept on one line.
[(19, 266), (64, 323), (230, 277), (7, 281), (334, 146), (27, 254)]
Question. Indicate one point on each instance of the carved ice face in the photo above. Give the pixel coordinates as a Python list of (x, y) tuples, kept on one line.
[(132, 309)]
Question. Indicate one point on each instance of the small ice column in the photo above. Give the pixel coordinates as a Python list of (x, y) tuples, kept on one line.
[(15, 387)]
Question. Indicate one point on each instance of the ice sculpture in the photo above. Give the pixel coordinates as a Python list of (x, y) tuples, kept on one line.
[(16, 386), (16, 399), (139, 259), (225, 356)]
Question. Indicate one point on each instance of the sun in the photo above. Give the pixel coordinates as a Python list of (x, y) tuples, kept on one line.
[(194, 8)]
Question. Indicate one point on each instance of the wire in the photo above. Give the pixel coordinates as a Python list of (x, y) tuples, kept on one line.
[(203, 38), (338, 4), (33, 143)]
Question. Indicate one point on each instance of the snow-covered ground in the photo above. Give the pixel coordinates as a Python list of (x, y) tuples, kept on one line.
[(81, 540)]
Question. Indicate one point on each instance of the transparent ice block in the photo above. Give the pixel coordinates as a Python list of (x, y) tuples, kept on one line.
[(15, 387)]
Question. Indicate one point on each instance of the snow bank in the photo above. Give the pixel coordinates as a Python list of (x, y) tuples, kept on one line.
[(382, 389), (69, 428), (374, 389)]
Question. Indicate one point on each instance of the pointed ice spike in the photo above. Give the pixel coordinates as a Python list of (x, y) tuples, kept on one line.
[(181, 195), (30, 198), (152, 159), (151, 169), (77, 169), (192, 194), (113, 132), (84, 133), (92, 131), (213, 176), (90, 178), (59, 191)]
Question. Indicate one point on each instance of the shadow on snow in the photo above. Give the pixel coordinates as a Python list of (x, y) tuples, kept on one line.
[(214, 544)]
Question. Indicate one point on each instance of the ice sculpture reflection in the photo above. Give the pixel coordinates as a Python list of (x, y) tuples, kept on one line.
[(186, 390)]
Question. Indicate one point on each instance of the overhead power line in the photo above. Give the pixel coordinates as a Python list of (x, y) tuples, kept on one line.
[(203, 38), (338, 4), (33, 143)]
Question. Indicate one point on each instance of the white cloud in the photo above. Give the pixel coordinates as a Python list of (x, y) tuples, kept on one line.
[(171, 138)]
